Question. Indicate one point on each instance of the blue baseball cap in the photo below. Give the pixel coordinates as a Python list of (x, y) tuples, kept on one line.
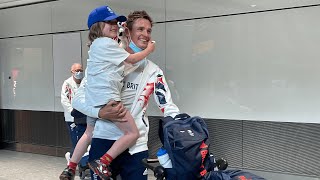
[(103, 13)]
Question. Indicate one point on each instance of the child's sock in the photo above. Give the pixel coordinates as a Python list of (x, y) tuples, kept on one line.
[(106, 159), (73, 166)]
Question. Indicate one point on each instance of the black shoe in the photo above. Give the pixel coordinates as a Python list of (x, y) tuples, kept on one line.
[(102, 170), (67, 174)]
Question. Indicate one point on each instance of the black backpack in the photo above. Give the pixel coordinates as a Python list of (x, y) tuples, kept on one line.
[(186, 140)]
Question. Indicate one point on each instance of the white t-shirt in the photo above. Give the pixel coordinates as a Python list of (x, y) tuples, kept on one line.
[(128, 94), (131, 84), (105, 71)]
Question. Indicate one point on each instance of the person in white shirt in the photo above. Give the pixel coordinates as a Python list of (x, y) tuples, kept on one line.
[(69, 88)]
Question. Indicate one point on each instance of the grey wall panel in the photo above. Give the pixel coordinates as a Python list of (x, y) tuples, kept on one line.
[(155, 8), (26, 20), (281, 147), (159, 35), (154, 142), (255, 66), (226, 138), (84, 47), (27, 73), (185, 9), (69, 16), (11, 3), (66, 51)]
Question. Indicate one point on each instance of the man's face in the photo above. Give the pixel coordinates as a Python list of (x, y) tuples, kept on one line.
[(141, 32), (76, 68)]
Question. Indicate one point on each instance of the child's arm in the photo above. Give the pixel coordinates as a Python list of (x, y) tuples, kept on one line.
[(136, 57)]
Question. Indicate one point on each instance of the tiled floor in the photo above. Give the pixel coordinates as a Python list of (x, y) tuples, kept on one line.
[(17, 165), (27, 166)]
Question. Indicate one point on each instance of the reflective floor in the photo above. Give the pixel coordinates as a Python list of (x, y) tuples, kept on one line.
[(28, 166), (25, 166)]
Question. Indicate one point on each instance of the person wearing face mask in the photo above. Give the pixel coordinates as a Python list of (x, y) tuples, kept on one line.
[(69, 88)]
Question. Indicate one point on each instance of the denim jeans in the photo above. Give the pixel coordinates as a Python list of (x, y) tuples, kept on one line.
[(75, 131)]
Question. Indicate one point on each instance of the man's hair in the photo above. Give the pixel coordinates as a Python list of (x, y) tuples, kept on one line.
[(95, 32), (136, 15), (74, 65)]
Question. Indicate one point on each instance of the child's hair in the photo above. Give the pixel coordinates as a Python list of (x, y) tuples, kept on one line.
[(136, 15), (95, 32)]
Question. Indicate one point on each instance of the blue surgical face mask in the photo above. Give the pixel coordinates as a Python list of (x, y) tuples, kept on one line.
[(134, 47), (78, 75)]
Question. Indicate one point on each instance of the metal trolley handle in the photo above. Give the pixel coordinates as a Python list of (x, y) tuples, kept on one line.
[(158, 170)]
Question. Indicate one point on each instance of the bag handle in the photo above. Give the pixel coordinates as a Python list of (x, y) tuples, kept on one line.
[(167, 119), (181, 116)]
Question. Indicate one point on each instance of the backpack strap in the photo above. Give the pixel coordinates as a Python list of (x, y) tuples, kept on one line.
[(162, 122), (181, 116), (204, 154)]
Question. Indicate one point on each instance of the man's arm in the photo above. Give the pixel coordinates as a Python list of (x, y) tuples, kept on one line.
[(66, 97), (163, 98), (111, 111)]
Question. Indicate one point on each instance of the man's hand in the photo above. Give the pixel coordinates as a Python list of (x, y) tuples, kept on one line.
[(114, 111)]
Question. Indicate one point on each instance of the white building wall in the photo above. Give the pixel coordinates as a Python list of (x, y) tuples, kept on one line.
[(223, 59)]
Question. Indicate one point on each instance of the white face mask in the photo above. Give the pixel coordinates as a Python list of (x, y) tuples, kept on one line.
[(78, 75)]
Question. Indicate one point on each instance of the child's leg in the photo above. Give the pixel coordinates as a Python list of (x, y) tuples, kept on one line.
[(130, 136), (82, 145)]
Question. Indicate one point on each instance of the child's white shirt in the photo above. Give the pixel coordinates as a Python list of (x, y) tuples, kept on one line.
[(105, 71)]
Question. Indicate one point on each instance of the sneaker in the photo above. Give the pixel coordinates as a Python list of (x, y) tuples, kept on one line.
[(102, 170), (68, 157), (67, 174)]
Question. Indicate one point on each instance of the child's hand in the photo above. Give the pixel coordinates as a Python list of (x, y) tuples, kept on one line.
[(124, 24), (124, 41), (151, 46), (124, 35)]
